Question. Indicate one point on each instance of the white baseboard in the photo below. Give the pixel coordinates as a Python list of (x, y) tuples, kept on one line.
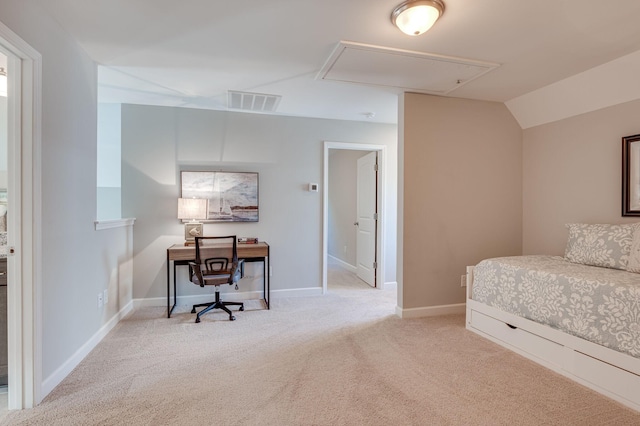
[(194, 299), (431, 311), (391, 285), (63, 371), (344, 264), (231, 295), (297, 292)]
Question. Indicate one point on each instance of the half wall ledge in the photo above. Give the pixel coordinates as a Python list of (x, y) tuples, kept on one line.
[(114, 223)]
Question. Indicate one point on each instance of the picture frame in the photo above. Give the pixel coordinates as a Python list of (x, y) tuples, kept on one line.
[(631, 175), (233, 196)]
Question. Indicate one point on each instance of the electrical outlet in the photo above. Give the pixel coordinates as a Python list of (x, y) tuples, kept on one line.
[(463, 280), (106, 296), (99, 300)]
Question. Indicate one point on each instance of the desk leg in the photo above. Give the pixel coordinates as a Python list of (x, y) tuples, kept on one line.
[(264, 282), (168, 290), (267, 280), (175, 290)]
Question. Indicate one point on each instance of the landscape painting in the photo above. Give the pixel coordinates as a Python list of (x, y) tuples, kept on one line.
[(233, 196)]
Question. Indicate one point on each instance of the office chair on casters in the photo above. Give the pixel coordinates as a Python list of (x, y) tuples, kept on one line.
[(216, 264)]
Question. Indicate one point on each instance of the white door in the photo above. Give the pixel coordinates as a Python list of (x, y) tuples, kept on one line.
[(366, 221)]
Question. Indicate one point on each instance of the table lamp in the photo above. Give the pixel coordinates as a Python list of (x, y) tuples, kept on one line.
[(192, 209)]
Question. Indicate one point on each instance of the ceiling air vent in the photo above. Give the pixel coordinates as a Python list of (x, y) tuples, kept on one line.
[(257, 102)]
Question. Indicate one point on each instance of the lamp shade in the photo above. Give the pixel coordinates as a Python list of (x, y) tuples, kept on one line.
[(415, 17), (192, 208)]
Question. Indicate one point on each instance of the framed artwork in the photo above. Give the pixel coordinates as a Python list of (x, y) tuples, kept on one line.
[(631, 175), (233, 196)]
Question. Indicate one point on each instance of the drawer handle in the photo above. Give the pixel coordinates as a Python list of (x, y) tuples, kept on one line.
[(513, 327)]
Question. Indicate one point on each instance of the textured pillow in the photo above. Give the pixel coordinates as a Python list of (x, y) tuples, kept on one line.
[(600, 245), (634, 254)]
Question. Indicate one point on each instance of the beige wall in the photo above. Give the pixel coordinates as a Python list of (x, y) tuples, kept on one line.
[(572, 173), (462, 193)]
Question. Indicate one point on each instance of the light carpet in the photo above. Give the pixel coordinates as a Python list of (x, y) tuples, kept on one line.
[(339, 359)]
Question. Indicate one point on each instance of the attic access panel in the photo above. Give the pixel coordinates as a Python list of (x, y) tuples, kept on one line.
[(404, 69)]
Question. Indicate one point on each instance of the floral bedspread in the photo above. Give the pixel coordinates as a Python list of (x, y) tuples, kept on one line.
[(598, 304)]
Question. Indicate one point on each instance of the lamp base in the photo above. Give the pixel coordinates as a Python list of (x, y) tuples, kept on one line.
[(191, 231)]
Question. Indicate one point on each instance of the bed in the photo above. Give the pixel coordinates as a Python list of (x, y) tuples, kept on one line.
[(578, 315)]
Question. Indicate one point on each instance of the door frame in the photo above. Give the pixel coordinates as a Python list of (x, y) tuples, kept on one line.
[(24, 323), (382, 210)]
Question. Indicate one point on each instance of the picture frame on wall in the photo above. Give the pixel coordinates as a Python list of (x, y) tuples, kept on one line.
[(631, 175), (233, 196)]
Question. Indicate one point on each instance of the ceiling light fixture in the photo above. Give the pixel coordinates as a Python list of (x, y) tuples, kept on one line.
[(3, 82), (414, 17)]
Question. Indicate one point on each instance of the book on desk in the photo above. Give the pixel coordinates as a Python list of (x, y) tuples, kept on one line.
[(247, 240)]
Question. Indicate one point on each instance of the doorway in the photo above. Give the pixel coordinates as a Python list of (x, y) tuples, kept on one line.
[(341, 248)]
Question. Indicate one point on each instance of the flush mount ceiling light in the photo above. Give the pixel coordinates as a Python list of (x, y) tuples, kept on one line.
[(415, 17)]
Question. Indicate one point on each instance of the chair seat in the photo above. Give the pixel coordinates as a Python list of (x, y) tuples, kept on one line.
[(210, 278)]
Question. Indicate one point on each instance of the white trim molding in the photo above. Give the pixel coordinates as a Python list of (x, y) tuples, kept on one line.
[(115, 223), (239, 295), (24, 295), (391, 285), (343, 264), (431, 311)]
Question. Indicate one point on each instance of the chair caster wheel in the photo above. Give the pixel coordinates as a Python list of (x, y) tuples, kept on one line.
[(197, 320), (193, 311), (241, 308), (232, 318)]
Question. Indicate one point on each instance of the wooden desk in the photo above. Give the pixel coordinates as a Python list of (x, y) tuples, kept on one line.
[(180, 254)]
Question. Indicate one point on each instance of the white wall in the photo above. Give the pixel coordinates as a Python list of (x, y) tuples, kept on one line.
[(77, 261), (287, 152)]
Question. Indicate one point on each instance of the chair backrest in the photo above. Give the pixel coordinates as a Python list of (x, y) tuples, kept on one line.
[(216, 261), (216, 250)]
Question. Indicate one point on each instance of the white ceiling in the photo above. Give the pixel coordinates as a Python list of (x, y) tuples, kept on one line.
[(191, 52)]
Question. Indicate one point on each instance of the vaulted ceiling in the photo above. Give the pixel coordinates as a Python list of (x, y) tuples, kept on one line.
[(192, 52)]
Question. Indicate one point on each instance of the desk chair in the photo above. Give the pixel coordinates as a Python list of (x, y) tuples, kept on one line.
[(216, 264)]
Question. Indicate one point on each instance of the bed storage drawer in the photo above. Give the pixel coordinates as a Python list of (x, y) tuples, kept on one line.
[(517, 338), (620, 382)]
